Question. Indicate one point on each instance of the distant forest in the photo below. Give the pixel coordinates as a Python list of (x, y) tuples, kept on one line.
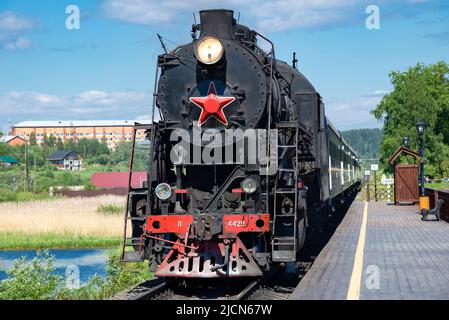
[(365, 141)]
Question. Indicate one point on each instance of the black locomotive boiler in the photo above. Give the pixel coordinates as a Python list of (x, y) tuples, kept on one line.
[(289, 168)]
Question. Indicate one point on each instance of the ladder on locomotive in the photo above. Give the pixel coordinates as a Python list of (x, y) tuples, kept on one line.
[(284, 243), (130, 241)]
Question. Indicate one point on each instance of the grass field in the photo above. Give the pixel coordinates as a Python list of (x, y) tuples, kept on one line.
[(438, 186), (62, 223)]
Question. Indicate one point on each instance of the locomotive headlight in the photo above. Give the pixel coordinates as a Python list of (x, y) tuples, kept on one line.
[(249, 185), (209, 50), (163, 191)]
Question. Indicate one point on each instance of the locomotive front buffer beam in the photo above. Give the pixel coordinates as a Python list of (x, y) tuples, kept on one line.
[(199, 254)]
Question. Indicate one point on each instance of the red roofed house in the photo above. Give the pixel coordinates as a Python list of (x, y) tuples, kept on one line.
[(110, 180), (13, 140)]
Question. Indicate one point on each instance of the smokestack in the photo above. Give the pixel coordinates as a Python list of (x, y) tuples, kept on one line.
[(218, 22)]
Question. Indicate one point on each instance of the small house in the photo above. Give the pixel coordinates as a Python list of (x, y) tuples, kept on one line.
[(13, 140), (8, 161), (66, 160)]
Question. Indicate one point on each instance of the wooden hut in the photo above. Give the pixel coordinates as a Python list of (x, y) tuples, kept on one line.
[(406, 189)]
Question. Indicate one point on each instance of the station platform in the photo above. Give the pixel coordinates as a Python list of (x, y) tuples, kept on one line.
[(381, 251)]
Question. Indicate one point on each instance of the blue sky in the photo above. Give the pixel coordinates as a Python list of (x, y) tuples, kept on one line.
[(105, 70)]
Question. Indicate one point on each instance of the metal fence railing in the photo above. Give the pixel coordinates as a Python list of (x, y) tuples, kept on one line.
[(377, 192)]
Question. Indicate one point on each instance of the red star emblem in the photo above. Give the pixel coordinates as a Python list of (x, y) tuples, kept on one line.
[(212, 106)]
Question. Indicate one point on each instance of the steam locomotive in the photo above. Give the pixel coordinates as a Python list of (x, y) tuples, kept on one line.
[(244, 164)]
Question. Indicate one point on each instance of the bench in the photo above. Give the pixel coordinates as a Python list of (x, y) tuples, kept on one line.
[(435, 211)]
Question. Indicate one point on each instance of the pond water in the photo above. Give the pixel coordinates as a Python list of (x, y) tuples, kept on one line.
[(90, 262)]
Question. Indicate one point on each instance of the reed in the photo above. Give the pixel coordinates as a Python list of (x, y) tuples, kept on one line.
[(61, 223)]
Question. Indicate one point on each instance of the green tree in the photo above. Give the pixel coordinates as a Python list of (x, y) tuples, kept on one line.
[(91, 148), (32, 139), (46, 139), (5, 149), (51, 140), (103, 147), (59, 144), (82, 147), (69, 144), (421, 92), (36, 155), (365, 142), (121, 153)]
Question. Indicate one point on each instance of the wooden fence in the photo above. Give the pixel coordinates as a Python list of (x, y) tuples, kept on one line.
[(93, 193)]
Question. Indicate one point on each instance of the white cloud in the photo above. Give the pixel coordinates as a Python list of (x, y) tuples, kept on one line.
[(12, 22), (267, 15), (138, 11), (354, 112), (12, 27), (272, 15), (93, 104), (21, 43), (289, 14)]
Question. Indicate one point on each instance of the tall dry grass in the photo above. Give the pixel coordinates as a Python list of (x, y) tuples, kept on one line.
[(69, 216)]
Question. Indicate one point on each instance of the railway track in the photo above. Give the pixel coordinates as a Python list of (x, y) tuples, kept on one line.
[(278, 285), (162, 289), (273, 287), (143, 291)]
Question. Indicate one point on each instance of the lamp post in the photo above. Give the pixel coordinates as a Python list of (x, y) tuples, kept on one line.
[(420, 125), (406, 142), (423, 200)]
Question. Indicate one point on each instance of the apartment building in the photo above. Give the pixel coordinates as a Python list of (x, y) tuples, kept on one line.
[(113, 131)]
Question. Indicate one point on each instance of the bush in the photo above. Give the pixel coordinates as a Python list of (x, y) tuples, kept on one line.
[(123, 275), (7, 196), (29, 196), (49, 174), (36, 280), (10, 196), (89, 186), (31, 280), (110, 209), (120, 277)]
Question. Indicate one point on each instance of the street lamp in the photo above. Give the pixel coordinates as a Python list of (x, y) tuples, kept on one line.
[(423, 200), (406, 142), (420, 126)]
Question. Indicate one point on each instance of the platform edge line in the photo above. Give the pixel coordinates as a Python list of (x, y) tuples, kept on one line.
[(356, 276)]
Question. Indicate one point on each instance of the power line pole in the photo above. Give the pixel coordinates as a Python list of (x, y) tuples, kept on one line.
[(34, 176), (25, 185)]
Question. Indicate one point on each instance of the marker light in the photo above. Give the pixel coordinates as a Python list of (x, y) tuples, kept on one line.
[(163, 191), (249, 185), (208, 50)]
